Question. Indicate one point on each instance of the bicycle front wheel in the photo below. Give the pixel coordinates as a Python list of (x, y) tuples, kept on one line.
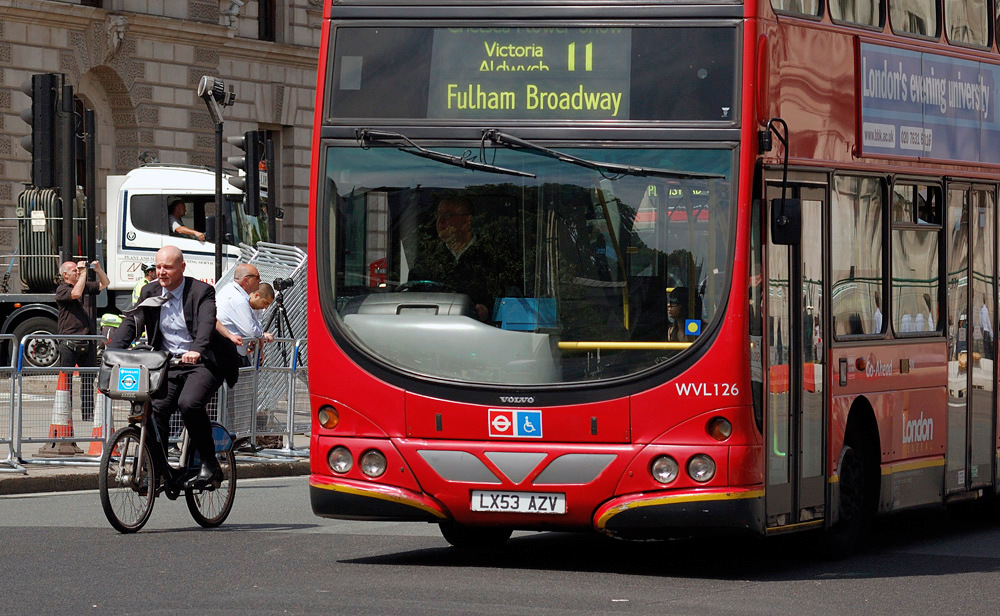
[(210, 508), (128, 488)]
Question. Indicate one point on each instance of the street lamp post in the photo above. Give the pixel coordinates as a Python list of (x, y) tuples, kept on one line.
[(216, 96)]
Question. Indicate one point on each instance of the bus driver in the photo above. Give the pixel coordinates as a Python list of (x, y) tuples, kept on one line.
[(458, 259)]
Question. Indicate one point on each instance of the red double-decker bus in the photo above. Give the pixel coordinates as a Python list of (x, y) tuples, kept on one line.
[(653, 269)]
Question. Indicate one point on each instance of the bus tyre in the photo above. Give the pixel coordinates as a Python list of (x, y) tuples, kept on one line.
[(462, 536), (842, 538)]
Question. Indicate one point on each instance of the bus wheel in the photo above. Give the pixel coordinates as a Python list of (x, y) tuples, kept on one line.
[(462, 536), (842, 538)]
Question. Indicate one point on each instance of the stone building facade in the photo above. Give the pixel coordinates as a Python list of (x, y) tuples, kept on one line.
[(137, 64)]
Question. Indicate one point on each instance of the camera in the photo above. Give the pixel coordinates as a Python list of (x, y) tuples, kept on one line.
[(280, 284)]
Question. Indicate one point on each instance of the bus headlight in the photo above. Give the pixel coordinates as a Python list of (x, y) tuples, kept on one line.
[(719, 428), (340, 459), (664, 469), (701, 468), (328, 417), (373, 463)]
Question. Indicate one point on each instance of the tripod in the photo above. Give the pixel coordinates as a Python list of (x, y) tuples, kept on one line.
[(282, 325)]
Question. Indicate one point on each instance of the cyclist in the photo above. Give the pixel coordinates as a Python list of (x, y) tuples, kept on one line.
[(178, 313)]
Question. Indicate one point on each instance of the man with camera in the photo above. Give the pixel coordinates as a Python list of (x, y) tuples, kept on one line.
[(237, 316), (73, 297)]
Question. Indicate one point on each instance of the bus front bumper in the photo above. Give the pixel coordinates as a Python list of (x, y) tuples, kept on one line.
[(355, 500), (683, 514)]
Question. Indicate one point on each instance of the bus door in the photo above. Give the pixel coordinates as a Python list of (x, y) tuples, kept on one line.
[(795, 356), (971, 323)]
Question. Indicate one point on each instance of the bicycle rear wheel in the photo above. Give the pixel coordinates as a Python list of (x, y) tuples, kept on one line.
[(210, 508), (127, 491)]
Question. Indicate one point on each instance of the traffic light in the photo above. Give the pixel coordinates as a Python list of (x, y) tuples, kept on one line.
[(252, 144), (44, 92)]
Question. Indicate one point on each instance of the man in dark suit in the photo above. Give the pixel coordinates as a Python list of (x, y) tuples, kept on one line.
[(178, 314)]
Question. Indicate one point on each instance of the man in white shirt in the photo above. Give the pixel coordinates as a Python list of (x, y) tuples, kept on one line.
[(235, 314)]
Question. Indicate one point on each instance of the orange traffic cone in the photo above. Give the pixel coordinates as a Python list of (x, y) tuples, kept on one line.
[(62, 423), (100, 412)]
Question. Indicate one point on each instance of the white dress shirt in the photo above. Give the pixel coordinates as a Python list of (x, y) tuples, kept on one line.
[(233, 310), (176, 337)]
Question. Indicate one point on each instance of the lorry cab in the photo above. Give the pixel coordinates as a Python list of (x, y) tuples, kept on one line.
[(140, 223)]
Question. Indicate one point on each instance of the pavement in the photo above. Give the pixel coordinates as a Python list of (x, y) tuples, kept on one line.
[(67, 475)]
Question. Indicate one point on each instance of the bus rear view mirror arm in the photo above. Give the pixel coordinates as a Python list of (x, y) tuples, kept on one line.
[(786, 214)]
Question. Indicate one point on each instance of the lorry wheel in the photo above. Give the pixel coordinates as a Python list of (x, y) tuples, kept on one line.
[(40, 352)]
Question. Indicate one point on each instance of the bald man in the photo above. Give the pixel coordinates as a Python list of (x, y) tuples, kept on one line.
[(182, 323), (236, 314), (73, 297)]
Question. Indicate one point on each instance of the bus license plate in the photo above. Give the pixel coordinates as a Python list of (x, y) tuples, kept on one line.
[(518, 502)]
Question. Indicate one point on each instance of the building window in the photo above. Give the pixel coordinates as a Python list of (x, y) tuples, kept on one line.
[(267, 24)]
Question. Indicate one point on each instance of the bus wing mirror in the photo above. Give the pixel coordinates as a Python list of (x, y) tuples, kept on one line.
[(786, 221)]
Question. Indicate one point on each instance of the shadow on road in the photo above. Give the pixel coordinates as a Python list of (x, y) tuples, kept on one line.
[(921, 543)]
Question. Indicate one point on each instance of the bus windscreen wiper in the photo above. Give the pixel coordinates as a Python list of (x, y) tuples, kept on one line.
[(517, 143), (367, 136)]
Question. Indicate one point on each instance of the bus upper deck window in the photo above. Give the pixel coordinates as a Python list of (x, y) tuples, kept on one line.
[(967, 22), (860, 12), (802, 7), (917, 17)]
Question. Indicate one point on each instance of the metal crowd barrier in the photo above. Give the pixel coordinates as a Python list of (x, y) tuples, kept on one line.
[(271, 399), (11, 464), (42, 407)]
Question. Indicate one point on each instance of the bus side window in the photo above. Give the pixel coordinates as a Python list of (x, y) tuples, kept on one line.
[(856, 255)]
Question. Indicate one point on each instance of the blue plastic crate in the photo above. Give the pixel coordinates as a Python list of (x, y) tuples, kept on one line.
[(525, 313)]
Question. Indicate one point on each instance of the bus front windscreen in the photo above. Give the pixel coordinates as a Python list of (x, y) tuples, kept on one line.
[(562, 273)]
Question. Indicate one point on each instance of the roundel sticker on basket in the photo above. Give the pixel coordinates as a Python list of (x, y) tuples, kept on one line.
[(128, 379)]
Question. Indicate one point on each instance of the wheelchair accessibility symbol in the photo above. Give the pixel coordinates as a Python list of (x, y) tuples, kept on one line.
[(528, 427)]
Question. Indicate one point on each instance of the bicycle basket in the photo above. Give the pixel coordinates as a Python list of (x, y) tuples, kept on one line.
[(132, 374)]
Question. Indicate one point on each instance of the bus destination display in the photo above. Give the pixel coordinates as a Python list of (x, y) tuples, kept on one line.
[(536, 73)]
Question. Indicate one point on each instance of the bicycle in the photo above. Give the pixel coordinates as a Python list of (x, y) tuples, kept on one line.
[(133, 473)]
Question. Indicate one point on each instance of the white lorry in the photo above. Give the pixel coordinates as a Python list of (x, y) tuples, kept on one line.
[(138, 224)]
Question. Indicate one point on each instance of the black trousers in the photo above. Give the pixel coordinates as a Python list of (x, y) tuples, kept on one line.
[(80, 354), (189, 389)]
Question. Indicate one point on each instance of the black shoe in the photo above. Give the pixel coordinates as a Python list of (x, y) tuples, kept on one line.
[(208, 477)]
